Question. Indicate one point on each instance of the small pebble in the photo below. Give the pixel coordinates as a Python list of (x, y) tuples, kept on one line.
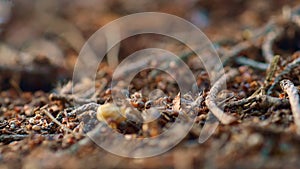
[(31, 120), (36, 128)]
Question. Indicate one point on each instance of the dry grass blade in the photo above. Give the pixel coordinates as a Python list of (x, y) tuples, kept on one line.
[(211, 98), (272, 69), (293, 94)]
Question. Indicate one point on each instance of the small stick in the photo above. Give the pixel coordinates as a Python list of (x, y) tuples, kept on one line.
[(270, 73), (292, 91), (63, 98), (252, 63), (268, 43), (84, 108), (55, 120), (264, 100), (5, 138), (286, 71), (235, 50), (9, 138), (270, 30), (211, 98)]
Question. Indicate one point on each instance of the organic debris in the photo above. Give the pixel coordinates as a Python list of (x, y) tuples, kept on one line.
[(259, 121)]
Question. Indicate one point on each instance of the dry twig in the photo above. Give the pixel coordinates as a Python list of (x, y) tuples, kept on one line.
[(4, 138), (84, 108), (268, 43), (263, 100), (54, 119), (252, 63), (292, 92), (211, 98), (235, 50)]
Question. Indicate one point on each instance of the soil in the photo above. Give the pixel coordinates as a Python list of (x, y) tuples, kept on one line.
[(44, 120)]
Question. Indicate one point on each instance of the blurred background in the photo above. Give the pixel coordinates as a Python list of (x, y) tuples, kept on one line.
[(42, 39)]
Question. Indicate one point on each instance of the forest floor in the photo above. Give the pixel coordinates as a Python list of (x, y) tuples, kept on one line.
[(43, 126)]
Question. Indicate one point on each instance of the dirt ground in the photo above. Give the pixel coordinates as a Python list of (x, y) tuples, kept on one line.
[(41, 121)]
